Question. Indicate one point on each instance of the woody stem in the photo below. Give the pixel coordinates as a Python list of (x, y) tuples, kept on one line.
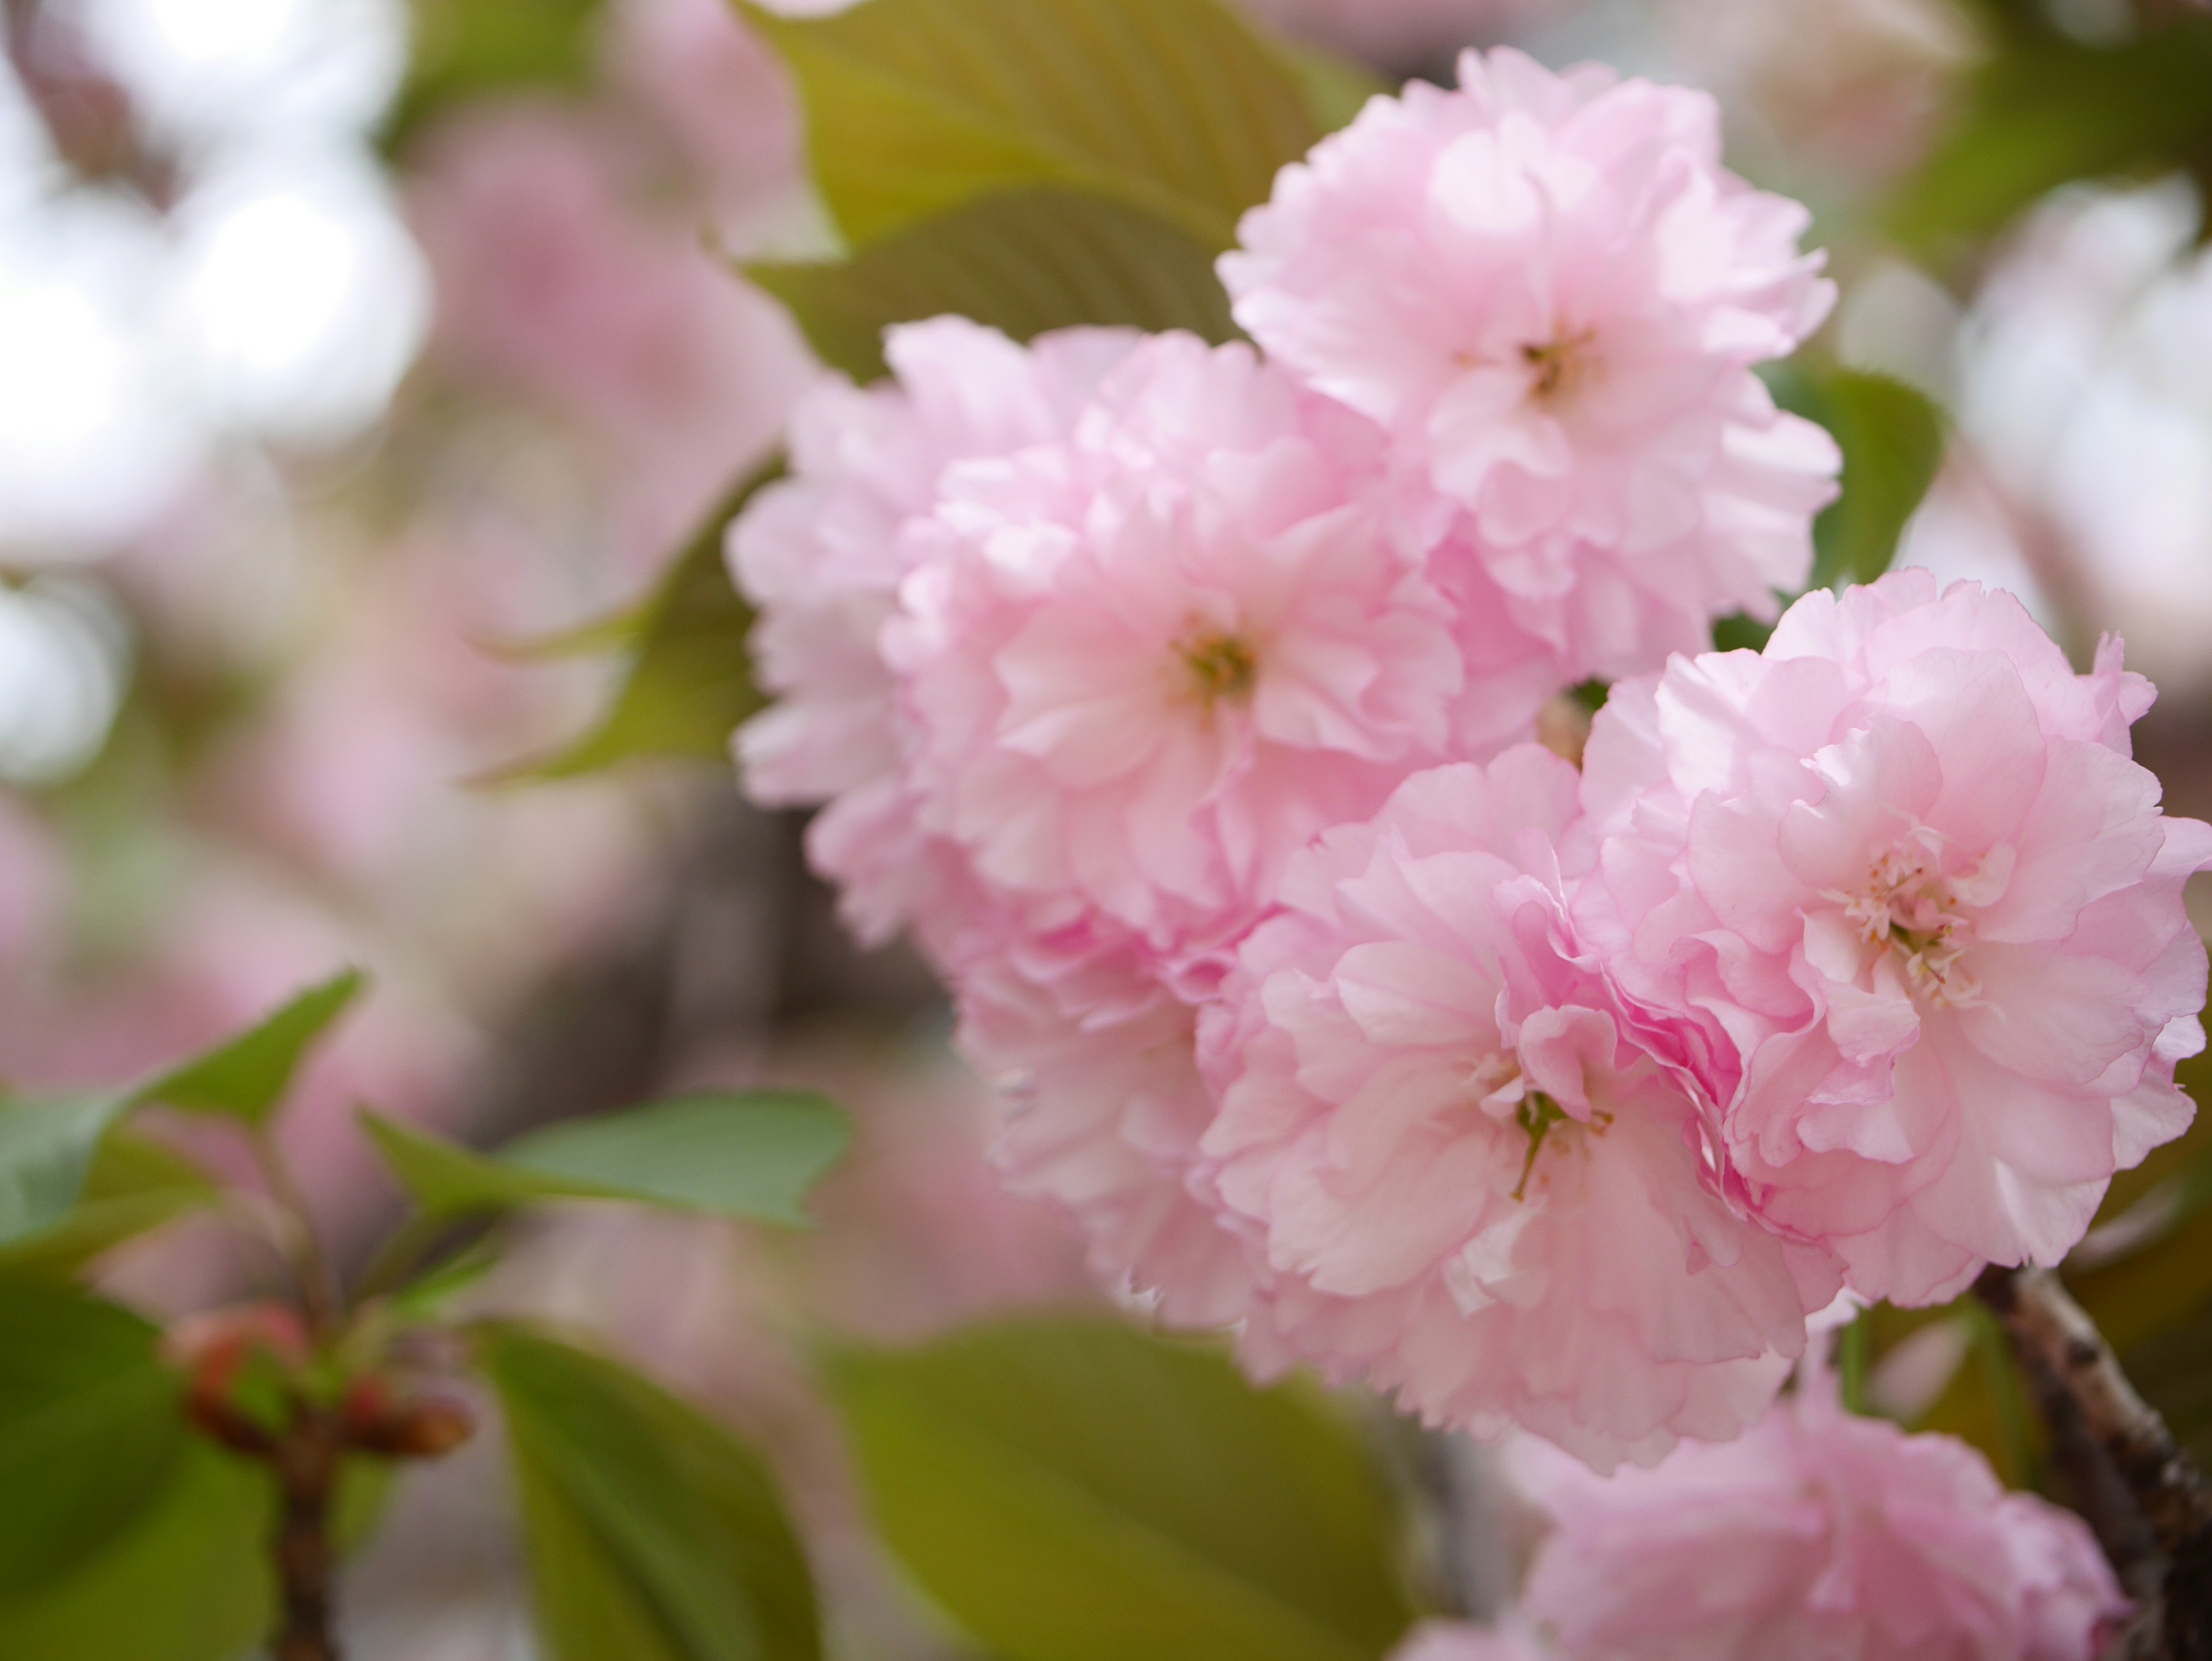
[(2149, 1504)]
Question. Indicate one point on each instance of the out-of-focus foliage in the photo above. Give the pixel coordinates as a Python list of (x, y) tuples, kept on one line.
[(654, 1535), (1891, 437), (1070, 1491), (247, 1078), (1892, 443), (134, 1185), (735, 1155), (466, 49), (123, 1536), (2045, 108), (188, 1581), (1023, 261), (688, 682), (916, 106), (48, 1149), (89, 1427)]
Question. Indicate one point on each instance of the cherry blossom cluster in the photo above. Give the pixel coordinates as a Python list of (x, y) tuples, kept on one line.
[(1177, 702)]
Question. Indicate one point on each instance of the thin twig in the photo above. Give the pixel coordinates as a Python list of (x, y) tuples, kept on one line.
[(2149, 1505), (322, 1298)]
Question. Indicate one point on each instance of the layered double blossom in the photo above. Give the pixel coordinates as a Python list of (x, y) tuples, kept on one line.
[(1176, 699), (1896, 901), (1551, 293), (1471, 1183)]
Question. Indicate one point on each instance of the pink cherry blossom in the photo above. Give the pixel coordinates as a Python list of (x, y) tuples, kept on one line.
[(822, 555), (1148, 664), (1895, 896), (1819, 1533), (1470, 1185), (1551, 293), (561, 285)]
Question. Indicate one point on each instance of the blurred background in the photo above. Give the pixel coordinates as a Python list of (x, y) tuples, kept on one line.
[(350, 350)]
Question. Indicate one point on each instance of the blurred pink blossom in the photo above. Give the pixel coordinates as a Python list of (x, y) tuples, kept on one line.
[(1819, 1533), (556, 283), (1855, 87)]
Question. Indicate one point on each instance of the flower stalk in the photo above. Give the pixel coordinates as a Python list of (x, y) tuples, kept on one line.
[(2147, 1501)]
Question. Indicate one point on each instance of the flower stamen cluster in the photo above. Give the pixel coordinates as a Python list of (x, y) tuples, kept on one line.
[(1910, 909), (1223, 666)]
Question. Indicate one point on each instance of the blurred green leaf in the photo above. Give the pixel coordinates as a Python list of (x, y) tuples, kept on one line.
[(2045, 109), (247, 1077), (133, 1185), (90, 1427), (916, 105), (1893, 443), (1336, 89), (188, 1580), (2153, 1290), (690, 682), (653, 1534), (1892, 438), (46, 1151), (1985, 1402), (1070, 1490), (465, 48), (1024, 262), (753, 1155)]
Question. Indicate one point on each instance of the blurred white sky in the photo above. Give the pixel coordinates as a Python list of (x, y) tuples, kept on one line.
[(281, 300)]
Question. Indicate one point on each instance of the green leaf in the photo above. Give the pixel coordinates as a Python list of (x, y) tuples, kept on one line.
[(754, 1155), (1336, 89), (653, 1534), (1069, 1490), (90, 1427), (690, 680), (46, 1151), (1024, 262), (465, 48), (1893, 443), (916, 106), (2044, 110), (134, 1185), (188, 1581), (247, 1078)]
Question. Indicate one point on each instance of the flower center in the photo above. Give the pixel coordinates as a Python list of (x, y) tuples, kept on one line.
[(1222, 668), (1908, 910), (1557, 366), (1537, 1115)]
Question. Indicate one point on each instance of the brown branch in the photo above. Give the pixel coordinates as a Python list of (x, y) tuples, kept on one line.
[(2149, 1503), (306, 1462)]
